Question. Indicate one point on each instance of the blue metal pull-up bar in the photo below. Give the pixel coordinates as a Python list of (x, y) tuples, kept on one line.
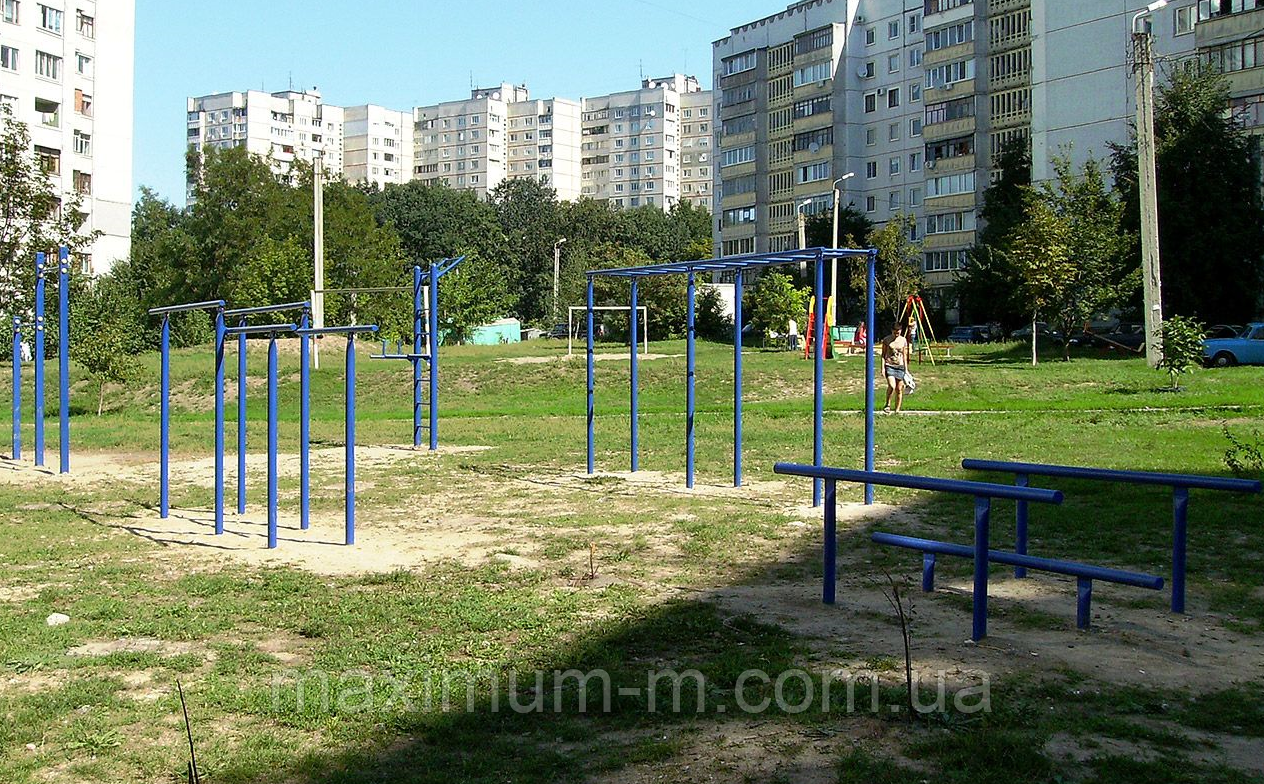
[(17, 388)]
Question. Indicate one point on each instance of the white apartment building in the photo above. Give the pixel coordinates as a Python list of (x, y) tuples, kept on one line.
[(696, 153), (284, 126), (66, 72), (464, 143), (631, 148), (377, 145), (544, 144)]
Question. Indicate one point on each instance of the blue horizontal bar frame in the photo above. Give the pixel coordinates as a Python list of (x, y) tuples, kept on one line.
[(259, 329), (268, 309), (1180, 484), (357, 328), (983, 493), (730, 263), (208, 305)]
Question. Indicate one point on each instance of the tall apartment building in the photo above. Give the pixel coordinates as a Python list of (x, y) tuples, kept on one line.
[(377, 145), (66, 72), (916, 98), (632, 143), (544, 144), (697, 152), (284, 126), (1230, 36), (465, 143)]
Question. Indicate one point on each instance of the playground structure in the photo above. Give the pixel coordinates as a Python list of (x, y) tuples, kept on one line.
[(738, 266), (913, 314), (63, 363), (810, 336), (1022, 494)]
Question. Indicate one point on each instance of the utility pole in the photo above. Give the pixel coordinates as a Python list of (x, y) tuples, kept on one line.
[(834, 261), (803, 233), (318, 248), (1151, 280), (557, 274)]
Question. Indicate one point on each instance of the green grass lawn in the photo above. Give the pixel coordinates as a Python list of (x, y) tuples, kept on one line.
[(302, 675)]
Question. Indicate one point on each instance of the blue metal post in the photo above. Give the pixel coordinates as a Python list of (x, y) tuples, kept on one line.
[(63, 357), (928, 572), (241, 420), (40, 325), (870, 329), (418, 330), (589, 332), (272, 442), (1180, 510), (830, 552), (737, 380), (635, 376), (1020, 526), (164, 407), (1083, 602), (818, 389), (433, 318), (982, 513), (689, 382), (219, 420), (350, 431), (305, 425), (17, 389)]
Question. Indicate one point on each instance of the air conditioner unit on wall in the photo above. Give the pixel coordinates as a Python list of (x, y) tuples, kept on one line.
[(882, 91)]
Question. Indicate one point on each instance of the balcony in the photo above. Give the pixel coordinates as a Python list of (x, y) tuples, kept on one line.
[(947, 130), (1004, 6)]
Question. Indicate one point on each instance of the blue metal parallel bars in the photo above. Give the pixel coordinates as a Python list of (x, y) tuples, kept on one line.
[(236, 312), (260, 329), (164, 407), (220, 336), (17, 389), (63, 357), (241, 420), (589, 337), (689, 380), (418, 329), (1181, 484), (830, 549), (737, 379), (166, 310), (1020, 527), (871, 326), (305, 424), (40, 330), (635, 378), (818, 376), (272, 442), (432, 313), (982, 518)]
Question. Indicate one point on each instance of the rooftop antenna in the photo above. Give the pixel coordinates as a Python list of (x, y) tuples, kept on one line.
[(640, 64)]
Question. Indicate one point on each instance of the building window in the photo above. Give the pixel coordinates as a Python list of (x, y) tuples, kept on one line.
[(915, 92), (915, 161), (944, 260), (85, 25), (915, 57), (893, 30), (814, 140), (739, 63), (47, 65), (871, 70), (871, 102), (871, 36), (49, 112), (893, 97), (871, 170), (893, 63), (50, 19), (893, 167), (893, 132), (950, 185), (8, 58), (871, 137), (914, 22), (950, 36), (83, 144), (915, 127), (817, 72), (11, 11), (949, 110), (915, 197), (814, 172), (737, 156), (871, 204), (950, 222), (1185, 19), (893, 200), (49, 159), (83, 103), (817, 39), (805, 108)]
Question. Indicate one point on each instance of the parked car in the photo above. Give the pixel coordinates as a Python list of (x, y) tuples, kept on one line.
[(1044, 334), (1126, 335), (1246, 349), (1224, 331), (968, 334)]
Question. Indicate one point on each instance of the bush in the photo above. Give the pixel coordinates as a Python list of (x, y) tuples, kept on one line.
[(1181, 344)]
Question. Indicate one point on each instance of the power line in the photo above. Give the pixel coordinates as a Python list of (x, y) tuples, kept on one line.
[(710, 22)]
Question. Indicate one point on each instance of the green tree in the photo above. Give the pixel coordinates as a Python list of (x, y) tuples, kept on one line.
[(530, 220), (473, 294), (987, 289), (772, 302), (899, 272), (1040, 252), (1211, 221), (106, 318), (854, 228), (1180, 346)]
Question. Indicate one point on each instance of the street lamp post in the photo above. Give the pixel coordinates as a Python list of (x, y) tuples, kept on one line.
[(803, 232), (1147, 176), (834, 262), (557, 273)]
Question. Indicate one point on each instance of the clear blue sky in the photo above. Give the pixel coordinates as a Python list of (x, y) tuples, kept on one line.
[(402, 54)]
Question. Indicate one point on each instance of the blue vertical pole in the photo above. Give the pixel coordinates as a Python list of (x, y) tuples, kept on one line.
[(350, 431), (17, 389), (418, 329), (737, 380), (164, 407), (220, 338), (241, 421), (871, 286), (63, 357), (1020, 526), (635, 373), (305, 426), (689, 382), (272, 442), (1180, 510), (591, 379), (433, 318), (39, 358), (982, 512), (818, 389), (830, 554)]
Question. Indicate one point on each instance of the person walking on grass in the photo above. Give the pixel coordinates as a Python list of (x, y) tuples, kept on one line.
[(895, 366)]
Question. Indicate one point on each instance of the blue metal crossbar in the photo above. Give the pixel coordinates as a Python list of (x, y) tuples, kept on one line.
[(1085, 574), (259, 329), (983, 493), (354, 328), (268, 309), (1180, 484), (208, 305)]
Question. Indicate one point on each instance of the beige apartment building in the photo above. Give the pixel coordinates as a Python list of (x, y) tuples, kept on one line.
[(377, 145), (544, 144)]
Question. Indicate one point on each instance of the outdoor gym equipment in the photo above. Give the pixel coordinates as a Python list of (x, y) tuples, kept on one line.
[(570, 325), (63, 363), (737, 266), (1180, 484)]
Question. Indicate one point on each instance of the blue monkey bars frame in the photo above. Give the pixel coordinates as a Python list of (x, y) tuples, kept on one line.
[(63, 362), (1181, 484), (739, 266)]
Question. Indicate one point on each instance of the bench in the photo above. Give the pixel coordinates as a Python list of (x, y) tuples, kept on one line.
[(944, 348), (1084, 574)]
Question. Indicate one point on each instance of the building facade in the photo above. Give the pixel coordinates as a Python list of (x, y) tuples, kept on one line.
[(377, 145), (697, 150), (544, 144), (465, 143), (66, 72)]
